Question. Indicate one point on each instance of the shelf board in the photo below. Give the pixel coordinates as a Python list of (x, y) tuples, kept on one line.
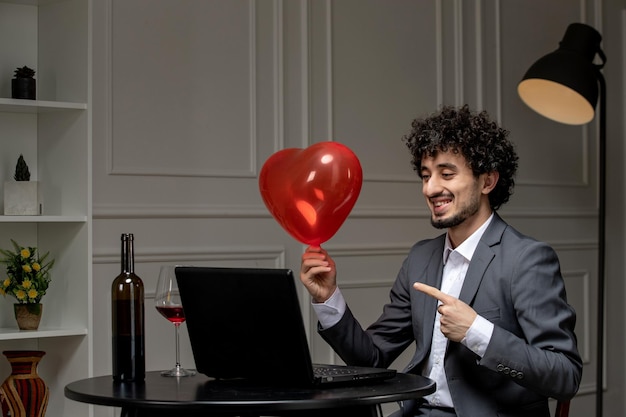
[(22, 2), (12, 105), (28, 2), (43, 219), (15, 334)]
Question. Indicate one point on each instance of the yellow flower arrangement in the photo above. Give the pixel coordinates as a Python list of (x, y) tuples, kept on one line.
[(28, 275)]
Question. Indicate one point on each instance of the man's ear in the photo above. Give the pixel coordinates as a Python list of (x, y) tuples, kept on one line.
[(490, 179)]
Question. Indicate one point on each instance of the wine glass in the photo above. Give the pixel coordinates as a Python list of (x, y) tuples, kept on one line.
[(167, 302)]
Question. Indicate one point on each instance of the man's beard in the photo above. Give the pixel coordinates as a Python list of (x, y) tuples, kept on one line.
[(467, 211)]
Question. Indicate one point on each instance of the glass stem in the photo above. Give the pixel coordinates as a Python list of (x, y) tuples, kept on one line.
[(176, 325)]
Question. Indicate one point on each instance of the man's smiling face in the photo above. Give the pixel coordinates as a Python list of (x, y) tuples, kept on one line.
[(453, 194)]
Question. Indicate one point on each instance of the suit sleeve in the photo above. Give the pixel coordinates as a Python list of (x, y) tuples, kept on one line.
[(540, 352), (385, 339)]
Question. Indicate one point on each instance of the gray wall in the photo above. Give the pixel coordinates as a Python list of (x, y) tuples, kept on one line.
[(190, 98)]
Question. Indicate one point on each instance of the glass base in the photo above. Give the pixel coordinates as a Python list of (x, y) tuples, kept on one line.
[(178, 371)]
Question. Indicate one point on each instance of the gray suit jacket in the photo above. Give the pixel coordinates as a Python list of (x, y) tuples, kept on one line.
[(513, 281)]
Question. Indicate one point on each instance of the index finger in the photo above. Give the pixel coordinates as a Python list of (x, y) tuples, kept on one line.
[(433, 292)]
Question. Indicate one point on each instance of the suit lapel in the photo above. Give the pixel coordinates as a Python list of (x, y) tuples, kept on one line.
[(434, 273), (481, 259)]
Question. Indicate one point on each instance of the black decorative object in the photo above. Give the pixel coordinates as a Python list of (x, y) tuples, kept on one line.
[(22, 173), (24, 86)]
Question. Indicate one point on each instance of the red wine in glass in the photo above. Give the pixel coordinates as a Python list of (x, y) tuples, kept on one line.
[(175, 314), (167, 302)]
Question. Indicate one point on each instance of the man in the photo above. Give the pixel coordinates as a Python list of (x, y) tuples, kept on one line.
[(484, 304)]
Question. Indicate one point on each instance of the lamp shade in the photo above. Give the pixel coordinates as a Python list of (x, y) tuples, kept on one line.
[(563, 85)]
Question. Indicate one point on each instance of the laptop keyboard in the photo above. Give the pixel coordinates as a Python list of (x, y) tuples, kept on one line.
[(326, 371)]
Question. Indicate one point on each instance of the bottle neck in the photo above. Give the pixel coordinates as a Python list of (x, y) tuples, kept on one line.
[(128, 254), (131, 255)]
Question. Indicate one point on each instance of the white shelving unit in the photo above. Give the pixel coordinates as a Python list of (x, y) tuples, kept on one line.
[(54, 135)]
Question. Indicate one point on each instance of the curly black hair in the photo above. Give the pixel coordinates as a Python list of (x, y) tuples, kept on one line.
[(475, 136)]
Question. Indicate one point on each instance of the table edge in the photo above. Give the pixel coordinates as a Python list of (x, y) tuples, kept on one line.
[(257, 405)]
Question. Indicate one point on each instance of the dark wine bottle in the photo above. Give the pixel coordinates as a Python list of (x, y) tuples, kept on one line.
[(127, 309)]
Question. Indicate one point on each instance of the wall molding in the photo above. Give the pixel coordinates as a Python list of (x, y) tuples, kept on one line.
[(186, 211), (275, 253)]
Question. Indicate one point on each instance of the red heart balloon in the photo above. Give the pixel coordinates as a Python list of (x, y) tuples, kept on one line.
[(311, 191)]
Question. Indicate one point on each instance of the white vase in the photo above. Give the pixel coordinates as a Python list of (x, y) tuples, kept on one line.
[(22, 198)]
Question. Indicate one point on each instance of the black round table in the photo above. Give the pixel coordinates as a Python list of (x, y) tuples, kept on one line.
[(201, 396)]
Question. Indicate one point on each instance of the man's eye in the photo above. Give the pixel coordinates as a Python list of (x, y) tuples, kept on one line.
[(425, 177), (447, 174)]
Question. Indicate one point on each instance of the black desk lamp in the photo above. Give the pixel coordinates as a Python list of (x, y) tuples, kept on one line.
[(563, 86)]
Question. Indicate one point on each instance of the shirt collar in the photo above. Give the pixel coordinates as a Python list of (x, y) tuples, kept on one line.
[(468, 247)]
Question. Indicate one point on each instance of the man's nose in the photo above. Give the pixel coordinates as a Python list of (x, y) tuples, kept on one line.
[(432, 186)]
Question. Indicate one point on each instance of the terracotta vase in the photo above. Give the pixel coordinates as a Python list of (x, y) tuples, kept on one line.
[(24, 393), (28, 316)]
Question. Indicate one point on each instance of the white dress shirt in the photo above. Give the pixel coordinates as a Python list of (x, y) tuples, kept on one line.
[(456, 261)]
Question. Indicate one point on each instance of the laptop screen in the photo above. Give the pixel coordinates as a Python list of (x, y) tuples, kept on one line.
[(245, 323)]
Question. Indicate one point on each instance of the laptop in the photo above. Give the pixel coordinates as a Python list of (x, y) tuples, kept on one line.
[(246, 324)]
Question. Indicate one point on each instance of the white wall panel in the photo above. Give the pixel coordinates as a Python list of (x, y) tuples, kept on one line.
[(199, 110), (186, 82), (379, 54)]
